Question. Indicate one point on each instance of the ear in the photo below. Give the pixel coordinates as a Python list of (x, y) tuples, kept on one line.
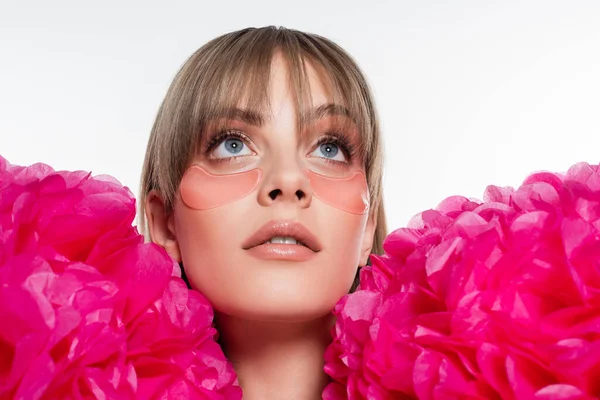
[(367, 241), (161, 225)]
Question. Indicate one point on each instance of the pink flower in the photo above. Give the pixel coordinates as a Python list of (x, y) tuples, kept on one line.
[(87, 309), (492, 300)]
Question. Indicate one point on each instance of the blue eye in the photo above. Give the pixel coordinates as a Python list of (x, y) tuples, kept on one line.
[(231, 147), (329, 151)]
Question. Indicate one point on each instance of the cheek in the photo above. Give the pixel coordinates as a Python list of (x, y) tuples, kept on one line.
[(208, 241), (345, 201), (346, 234), (343, 240)]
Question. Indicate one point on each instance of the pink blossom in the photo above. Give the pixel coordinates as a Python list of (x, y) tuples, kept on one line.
[(491, 300), (87, 309)]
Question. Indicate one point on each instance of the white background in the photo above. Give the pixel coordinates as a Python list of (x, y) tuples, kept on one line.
[(470, 93)]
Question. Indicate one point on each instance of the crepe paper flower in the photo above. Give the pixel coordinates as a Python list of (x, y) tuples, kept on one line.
[(87, 309), (498, 299)]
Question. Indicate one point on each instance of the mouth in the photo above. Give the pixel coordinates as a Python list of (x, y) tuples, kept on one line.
[(283, 235)]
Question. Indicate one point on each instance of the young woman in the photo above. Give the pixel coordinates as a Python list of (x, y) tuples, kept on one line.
[(263, 182), (262, 178)]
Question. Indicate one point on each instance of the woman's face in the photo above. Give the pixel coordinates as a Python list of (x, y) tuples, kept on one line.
[(261, 180)]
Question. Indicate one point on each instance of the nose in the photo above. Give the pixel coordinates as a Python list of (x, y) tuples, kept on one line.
[(286, 182)]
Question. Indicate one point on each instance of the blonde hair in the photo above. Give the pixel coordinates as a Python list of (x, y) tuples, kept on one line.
[(235, 66)]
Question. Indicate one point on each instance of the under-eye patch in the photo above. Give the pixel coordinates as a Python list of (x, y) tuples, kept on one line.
[(201, 190), (349, 194)]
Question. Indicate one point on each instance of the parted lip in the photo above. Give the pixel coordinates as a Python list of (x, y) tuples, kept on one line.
[(283, 228)]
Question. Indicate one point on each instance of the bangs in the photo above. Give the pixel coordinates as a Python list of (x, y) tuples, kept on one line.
[(232, 82)]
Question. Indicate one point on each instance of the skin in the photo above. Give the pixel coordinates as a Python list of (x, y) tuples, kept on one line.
[(273, 316)]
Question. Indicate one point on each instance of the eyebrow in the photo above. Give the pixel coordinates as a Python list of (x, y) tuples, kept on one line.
[(257, 119), (327, 110), (248, 116)]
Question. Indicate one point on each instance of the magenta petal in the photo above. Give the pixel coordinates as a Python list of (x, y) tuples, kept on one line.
[(561, 392), (88, 310), (334, 391), (498, 299), (491, 362)]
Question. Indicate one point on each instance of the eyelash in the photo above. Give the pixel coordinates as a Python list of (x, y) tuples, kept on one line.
[(220, 137), (341, 140), (338, 138)]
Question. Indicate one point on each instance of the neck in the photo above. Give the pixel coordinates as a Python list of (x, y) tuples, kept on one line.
[(277, 360)]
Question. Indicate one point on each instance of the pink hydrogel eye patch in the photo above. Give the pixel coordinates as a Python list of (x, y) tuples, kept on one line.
[(201, 190), (347, 194)]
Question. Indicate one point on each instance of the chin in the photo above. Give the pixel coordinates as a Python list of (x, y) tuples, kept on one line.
[(286, 308)]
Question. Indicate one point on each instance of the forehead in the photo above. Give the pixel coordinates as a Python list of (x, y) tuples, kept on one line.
[(313, 98), (334, 113), (284, 79)]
